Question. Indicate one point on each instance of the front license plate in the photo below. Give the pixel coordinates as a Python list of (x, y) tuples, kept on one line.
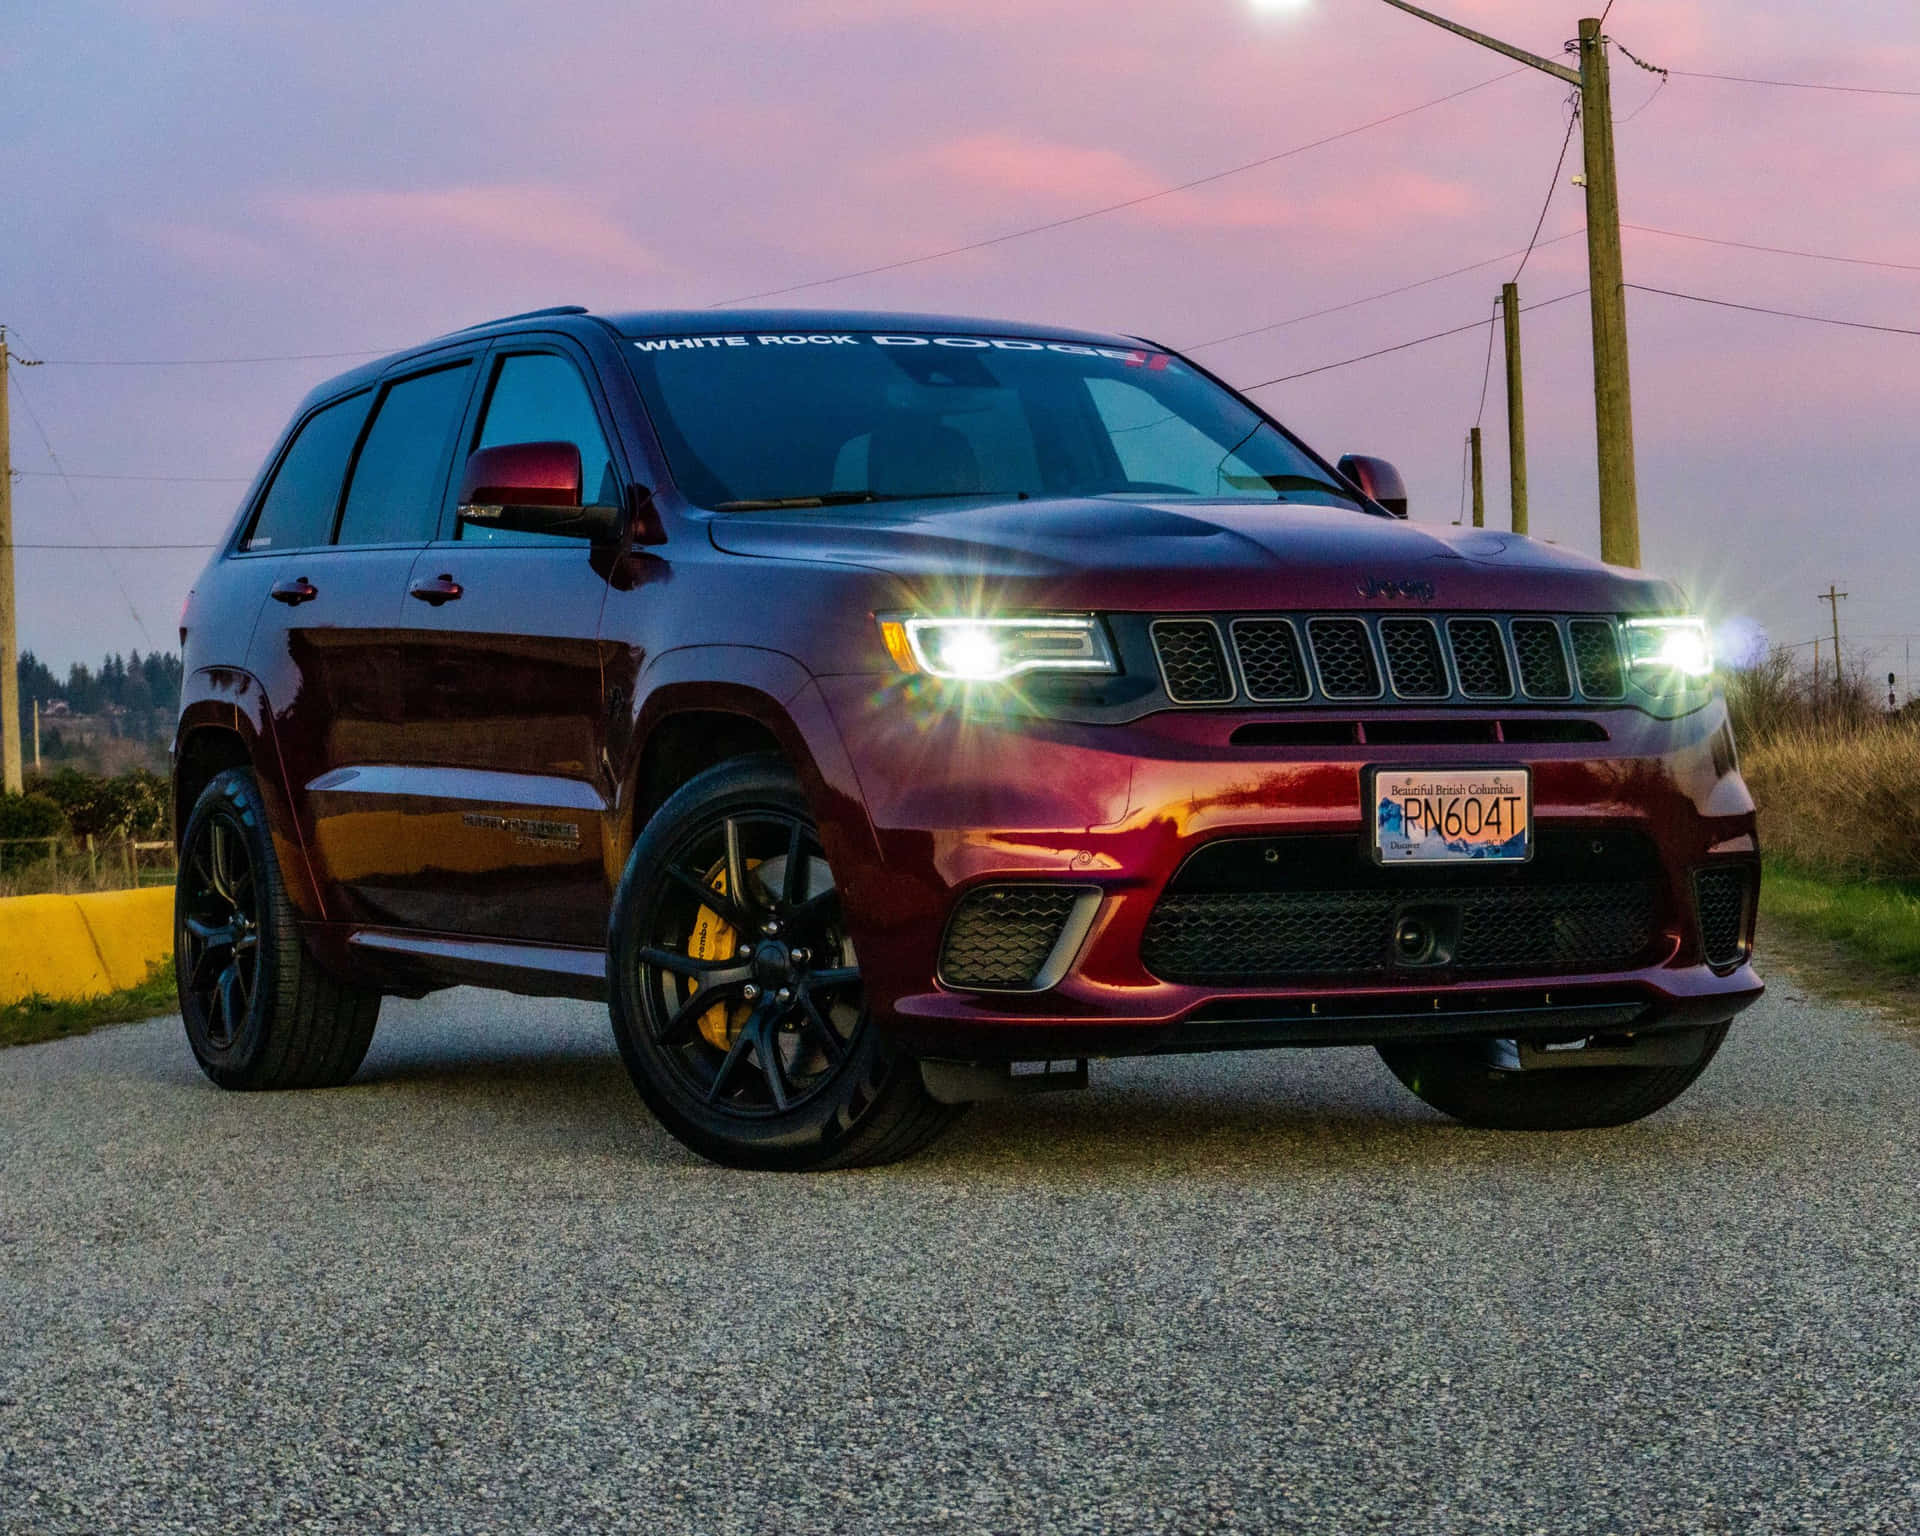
[(1426, 817)]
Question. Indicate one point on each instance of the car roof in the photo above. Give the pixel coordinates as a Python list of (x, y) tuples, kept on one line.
[(711, 322)]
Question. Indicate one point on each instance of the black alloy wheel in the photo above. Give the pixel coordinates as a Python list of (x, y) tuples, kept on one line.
[(758, 1022), (220, 926), (736, 994)]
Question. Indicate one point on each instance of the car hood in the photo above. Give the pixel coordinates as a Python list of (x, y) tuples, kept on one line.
[(1125, 555)]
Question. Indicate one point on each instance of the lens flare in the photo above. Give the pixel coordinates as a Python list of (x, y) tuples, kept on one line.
[(970, 651)]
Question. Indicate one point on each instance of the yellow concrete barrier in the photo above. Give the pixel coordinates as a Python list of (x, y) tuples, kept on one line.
[(82, 946)]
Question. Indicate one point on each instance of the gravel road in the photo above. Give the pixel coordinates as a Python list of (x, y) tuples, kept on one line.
[(479, 1291)]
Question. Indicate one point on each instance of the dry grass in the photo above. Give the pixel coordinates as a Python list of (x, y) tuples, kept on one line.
[(1841, 804)]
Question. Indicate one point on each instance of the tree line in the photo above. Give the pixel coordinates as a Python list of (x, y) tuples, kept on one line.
[(146, 687)]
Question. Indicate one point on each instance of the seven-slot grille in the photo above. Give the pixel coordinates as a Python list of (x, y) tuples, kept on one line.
[(1354, 658)]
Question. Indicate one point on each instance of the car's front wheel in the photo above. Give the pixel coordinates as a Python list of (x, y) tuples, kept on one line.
[(736, 993), (1467, 1081)]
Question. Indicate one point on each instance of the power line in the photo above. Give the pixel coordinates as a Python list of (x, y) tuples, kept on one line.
[(1796, 85), (1573, 118), (1335, 309), (1132, 202), (201, 362), (1486, 379), (74, 496), (98, 547), (48, 474), (1418, 341), (1635, 113), (1774, 250), (1784, 314)]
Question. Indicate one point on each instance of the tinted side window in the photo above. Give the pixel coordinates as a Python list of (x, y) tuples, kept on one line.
[(399, 478), (297, 511), (540, 398)]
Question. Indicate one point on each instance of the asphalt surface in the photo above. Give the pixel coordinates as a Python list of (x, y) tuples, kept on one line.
[(480, 1291)]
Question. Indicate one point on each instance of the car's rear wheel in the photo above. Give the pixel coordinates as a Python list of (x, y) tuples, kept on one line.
[(736, 993), (258, 1009), (1464, 1080)]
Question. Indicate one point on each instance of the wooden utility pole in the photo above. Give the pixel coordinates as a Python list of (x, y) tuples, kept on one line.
[(1833, 597), (1607, 285), (1606, 277), (11, 778), (1479, 482), (1516, 410)]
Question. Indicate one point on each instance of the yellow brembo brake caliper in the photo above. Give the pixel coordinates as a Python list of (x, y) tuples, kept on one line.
[(714, 939)]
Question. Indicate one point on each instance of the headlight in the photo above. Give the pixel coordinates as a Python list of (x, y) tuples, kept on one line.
[(992, 650), (1669, 655)]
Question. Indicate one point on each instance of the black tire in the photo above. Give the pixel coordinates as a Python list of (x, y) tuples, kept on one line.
[(1457, 1081), (750, 1078), (259, 1011)]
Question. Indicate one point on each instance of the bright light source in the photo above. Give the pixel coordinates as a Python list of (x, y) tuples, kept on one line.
[(1282, 6), (994, 649), (969, 651), (1678, 647)]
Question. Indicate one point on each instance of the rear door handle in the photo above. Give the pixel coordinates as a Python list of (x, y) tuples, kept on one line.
[(441, 589), (295, 592)]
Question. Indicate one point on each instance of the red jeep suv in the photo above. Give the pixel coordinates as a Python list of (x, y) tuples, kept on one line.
[(884, 712)]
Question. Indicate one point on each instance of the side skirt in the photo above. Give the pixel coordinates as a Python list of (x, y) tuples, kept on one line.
[(422, 962)]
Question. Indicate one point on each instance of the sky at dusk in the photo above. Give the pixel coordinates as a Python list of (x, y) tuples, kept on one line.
[(204, 179)]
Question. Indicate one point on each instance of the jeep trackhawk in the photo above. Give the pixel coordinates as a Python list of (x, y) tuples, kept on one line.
[(883, 712)]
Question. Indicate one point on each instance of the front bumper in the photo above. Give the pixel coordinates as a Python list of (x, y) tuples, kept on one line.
[(958, 801)]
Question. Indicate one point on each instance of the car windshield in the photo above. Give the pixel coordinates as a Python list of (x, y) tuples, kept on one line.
[(752, 421)]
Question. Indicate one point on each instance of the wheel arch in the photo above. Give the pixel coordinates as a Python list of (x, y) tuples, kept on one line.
[(225, 723), (698, 706)]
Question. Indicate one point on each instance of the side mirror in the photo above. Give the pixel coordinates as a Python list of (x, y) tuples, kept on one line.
[(1378, 479), (533, 488)]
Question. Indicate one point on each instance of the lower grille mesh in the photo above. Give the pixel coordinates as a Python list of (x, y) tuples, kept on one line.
[(1722, 898), (1250, 938), (1001, 935)]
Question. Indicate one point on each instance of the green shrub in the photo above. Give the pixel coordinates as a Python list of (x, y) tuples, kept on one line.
[(132, 805), (27, 816)]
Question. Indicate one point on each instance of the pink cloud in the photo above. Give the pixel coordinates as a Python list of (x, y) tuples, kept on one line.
[(1035, 168), (1070, 179), (530, 218)]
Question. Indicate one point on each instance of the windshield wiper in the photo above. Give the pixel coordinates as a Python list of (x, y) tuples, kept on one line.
[(849, 498), (1284, 483)]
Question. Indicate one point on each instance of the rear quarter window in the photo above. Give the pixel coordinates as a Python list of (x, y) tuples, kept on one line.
[(297, 511)]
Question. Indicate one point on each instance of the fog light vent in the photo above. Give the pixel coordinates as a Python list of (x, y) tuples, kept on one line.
[(1723, 896), (1015, 938)]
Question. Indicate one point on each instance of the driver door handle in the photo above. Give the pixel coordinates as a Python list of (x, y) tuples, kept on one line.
[(295, 592), (440, 589)]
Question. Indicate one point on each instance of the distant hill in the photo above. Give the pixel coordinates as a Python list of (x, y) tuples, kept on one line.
[(106, 720)]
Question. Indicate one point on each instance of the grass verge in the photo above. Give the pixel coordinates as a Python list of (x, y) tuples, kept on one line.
[(1845, 938), (48, 1018)]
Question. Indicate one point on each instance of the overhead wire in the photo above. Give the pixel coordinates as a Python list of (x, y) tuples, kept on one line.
[(203, 362), (1784, 314), (1131, 202), (1774, 250), (1796, 85), (1418, 341), (1335, 309), (165, 479), (74, 496), (1486, 378), (112, 546), (1573, 118)]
